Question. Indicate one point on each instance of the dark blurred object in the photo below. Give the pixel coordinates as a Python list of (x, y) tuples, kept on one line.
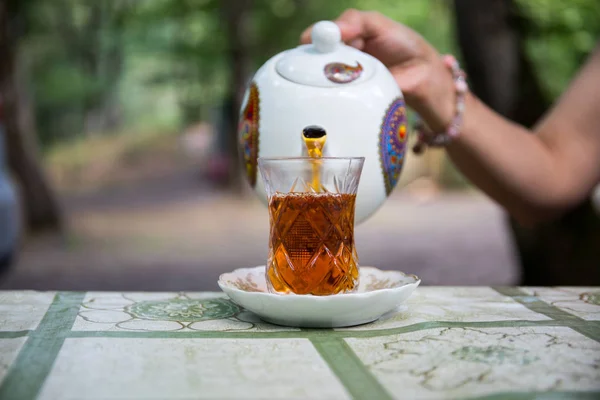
[(9, 221), (222, 165), (237, 20), (40, 205), (492, 35), (500, 73)]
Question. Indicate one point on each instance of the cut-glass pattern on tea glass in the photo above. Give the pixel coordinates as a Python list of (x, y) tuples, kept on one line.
[(325, 240), (311, 208), (335, 184)]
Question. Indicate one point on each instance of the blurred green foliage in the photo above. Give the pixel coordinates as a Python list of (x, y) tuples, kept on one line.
[(111, 65), (559, 36), (100, 66)]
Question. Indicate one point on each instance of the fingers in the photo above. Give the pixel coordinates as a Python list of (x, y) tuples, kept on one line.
[(305, 37), (355, 26), (351, 25), (358, 43)]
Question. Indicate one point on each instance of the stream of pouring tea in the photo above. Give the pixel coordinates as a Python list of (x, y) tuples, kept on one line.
[(304, 258), (314, 139)]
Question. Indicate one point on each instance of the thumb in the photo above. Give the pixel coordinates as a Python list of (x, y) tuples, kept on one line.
[(350, 35), (355, 26)]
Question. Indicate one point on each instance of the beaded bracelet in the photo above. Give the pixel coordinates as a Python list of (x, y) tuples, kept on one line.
[(426, 137)]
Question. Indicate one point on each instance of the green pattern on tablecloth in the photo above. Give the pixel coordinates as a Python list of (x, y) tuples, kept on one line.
[(211, 316), (185, 310), (541, 396), (591, 298), (582, 302), (166, 312), (28, 373), (462, 362), (494, 355), (590, 329), (15, 334), (357, 379)]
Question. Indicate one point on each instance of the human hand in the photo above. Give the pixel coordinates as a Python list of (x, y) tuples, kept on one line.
[(417, 67)]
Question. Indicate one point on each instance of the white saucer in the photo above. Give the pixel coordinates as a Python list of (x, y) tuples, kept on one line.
[(378, 293)]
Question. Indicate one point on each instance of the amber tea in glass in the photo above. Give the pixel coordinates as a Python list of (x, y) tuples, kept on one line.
[(311, 243)]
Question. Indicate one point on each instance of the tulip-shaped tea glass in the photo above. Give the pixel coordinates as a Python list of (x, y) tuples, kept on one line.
[(311, 213)]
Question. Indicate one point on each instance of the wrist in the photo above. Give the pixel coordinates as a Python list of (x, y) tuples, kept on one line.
[(434, 97), (443, 107), (471, 104)]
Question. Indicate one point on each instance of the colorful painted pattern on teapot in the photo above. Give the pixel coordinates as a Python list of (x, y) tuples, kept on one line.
[(248, 132), (342, 73), (392, 143)]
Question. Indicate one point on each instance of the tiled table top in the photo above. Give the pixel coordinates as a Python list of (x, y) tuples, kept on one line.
[(445, 343)]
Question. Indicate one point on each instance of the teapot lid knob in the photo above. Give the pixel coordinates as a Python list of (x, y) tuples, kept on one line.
[(327, 61), (326, 36)]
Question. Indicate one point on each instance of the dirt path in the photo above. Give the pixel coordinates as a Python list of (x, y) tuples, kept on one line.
[(174, 234)]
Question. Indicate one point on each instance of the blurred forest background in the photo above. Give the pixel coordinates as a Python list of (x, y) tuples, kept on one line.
[(102, 94)]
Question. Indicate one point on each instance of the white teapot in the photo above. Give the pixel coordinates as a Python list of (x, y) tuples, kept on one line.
[(350, 94)]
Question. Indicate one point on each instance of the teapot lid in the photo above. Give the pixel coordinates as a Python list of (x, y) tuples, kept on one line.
[(327, 62)]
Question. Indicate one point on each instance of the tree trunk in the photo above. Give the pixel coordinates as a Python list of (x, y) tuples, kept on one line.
[(237, 24), (500, 73), (491, 38), (40, 205)]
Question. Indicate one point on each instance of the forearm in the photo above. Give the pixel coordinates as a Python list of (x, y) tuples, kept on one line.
[(509, 163)]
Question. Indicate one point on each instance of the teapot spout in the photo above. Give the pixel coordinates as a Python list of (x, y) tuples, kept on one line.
[(314, 138), (313, 132)]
